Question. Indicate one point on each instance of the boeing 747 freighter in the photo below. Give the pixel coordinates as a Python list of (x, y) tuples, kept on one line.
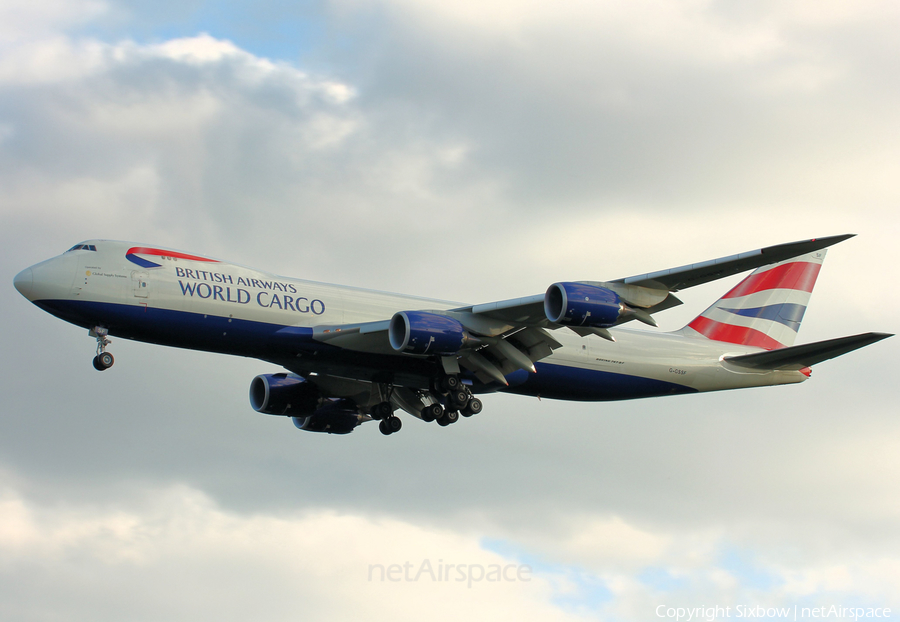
[(354, 355)]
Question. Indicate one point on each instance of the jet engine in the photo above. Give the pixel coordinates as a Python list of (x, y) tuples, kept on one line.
[(421, 332), (577, 304), (293, 396), (283, 394)]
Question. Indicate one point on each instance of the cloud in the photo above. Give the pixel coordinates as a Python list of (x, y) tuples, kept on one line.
[(464, 151), (654, 106), (21, 20), (176, 554), (194, 141)]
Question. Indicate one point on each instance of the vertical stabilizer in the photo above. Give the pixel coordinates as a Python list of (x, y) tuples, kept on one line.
[(766, 308)]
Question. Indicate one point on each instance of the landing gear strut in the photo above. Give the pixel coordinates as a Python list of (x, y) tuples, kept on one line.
[(103, 360)]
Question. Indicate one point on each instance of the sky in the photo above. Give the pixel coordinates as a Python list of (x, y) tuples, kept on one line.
[(469, 151)]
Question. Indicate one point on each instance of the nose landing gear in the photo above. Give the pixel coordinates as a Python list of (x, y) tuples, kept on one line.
[(104, 360)]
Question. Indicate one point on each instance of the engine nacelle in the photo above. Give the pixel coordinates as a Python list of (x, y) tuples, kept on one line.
[(576, 304), (420, 332), (334, 417), (283, 394)]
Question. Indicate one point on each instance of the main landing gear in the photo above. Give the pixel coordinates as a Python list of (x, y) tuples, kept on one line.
[(458, 400), (447, 399), (104, 360), (388, 423)]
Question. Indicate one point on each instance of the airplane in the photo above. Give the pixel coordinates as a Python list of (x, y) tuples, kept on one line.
[(355, 355)]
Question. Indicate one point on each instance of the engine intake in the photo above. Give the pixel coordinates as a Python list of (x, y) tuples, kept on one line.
[(283, 394), (421, 332), (576, 304)]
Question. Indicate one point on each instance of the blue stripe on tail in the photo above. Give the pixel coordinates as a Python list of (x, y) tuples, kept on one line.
[(789, 314)]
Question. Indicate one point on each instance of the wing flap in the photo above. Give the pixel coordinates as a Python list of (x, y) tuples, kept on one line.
[(806, 355), (525, 311), (365, 337)]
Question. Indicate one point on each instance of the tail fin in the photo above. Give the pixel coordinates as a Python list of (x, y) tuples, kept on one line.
[(766, 308)]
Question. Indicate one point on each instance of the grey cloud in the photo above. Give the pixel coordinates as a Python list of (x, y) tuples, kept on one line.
[(566, 113), (475, 170)]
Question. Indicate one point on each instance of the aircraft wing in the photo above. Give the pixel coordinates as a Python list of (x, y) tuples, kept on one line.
[(699, 273), (652, 291), (497, 348), (507, 335)]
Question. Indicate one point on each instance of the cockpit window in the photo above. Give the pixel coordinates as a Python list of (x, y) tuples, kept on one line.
[(82, 247)]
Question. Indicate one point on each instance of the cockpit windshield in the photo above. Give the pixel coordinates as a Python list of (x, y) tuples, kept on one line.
[(82, 247)]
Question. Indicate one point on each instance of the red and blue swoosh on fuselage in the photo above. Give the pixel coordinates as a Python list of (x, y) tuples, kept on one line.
[(765, 309), (133, 255)]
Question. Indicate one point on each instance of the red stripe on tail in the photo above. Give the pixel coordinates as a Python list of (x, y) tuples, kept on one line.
[(799, 275), (717, 331)]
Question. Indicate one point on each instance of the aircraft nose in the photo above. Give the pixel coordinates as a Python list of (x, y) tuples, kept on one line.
[(24, 282)]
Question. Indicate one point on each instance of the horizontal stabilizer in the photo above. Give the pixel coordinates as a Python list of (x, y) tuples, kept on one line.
[(798, 357)]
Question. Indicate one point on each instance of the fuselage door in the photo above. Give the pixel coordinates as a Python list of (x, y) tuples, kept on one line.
[(141, 282)]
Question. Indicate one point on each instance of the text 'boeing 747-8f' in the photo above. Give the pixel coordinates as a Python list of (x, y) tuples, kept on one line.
[(355, 355)]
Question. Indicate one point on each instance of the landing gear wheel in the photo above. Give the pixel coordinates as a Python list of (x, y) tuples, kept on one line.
[(105, 360), (451, 416), (472, 408), (393, 424), (432, 412), (382, 410), (389, 425), (450, 383), (459, 398)]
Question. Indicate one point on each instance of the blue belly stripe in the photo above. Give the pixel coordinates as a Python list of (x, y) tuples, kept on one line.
[(281, 344), (562, 382)]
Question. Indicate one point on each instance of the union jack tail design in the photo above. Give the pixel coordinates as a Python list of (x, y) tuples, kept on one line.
[(766, 308)]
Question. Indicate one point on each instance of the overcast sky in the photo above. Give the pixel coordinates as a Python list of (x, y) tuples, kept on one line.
[(469, 151)]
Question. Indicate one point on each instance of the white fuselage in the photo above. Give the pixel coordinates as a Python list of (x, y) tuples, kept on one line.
[(194, 302)]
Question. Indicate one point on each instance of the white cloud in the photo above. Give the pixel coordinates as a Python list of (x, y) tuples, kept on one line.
[(700, 32), (51, 60), (22, 20), (477, 151), (175, 553), (201, 49)]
